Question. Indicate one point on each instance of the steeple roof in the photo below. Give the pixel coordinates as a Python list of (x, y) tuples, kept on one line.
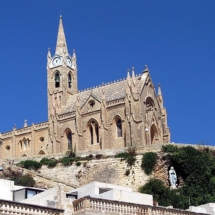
[(61, 47)]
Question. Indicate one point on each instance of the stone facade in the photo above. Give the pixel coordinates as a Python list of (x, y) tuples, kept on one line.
[(119, 114)]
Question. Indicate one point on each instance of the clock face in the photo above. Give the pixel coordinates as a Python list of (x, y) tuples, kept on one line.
[(56, 61), (69, 62)]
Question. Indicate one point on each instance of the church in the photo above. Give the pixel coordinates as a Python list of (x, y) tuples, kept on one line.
[(119, 114)]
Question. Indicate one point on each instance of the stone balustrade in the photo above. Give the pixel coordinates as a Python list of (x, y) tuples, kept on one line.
[(9, 207), (96, 206)]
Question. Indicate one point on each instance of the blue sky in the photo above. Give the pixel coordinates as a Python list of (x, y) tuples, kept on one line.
[(176, 39)]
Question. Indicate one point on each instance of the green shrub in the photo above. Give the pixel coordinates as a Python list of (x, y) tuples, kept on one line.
[(52, 163), (70, 154), (122, 155), (164, 195), (148, 162), (90, 157), (24, 180), (130, 157), (49, 162), (30, 164), (131, 160), (66, 161), (169, 148), (98, 156), (127, 172), (44, 161), (78, 163)]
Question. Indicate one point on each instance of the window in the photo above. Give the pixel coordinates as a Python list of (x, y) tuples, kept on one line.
[(69, 138), (94, 132), (97, 133), (149, 102), (119, 128), (24, 144), (57, 80), (70, 81), (91, 134)]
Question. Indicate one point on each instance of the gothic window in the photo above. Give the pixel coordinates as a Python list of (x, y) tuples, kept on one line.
[(149, 103), (91, 134), (24, 144), (57, 79), (119, 128), (94, 132), (20, 145), (69, 139), (97, 132), (70, 80), (154, 135)]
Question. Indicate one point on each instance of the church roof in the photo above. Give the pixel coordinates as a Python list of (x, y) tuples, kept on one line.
[(113, 91)]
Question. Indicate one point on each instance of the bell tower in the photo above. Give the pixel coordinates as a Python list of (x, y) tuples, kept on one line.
[(61, 74)]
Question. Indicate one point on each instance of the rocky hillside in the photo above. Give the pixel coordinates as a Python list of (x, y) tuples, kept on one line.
[(107, 169)]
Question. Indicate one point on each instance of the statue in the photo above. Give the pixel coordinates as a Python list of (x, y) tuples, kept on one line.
[(172, 178)]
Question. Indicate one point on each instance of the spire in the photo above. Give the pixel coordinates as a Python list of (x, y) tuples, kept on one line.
[(159, 90), (128, 77), (61, 47), (133, 75)]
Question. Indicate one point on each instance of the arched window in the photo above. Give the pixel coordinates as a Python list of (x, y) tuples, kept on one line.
[(25, 144), (119, 128), (91, 134), (149, 102), (20, 145), (69, 139), (154, 135), (57, 80), (97, 132), (94, 132), (70, 80)]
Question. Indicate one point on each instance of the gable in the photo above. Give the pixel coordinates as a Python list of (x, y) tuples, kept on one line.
[(91, 104)]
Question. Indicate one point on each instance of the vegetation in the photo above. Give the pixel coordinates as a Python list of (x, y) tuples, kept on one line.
[(66, 161), (24, 180), (129, 156), (49, 162), (98, 156), (148, 162), (197, 170), (165, 196), (169, 148), (127, 172), (30, 164), (78, 163)]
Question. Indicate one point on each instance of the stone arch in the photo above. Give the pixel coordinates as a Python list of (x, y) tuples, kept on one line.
[(68, 138), (20, 145), (69, 79), (93, 131), (57, 79), (24, 155), (149, 102), (154, 136), (41, 152), (117, 121)]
